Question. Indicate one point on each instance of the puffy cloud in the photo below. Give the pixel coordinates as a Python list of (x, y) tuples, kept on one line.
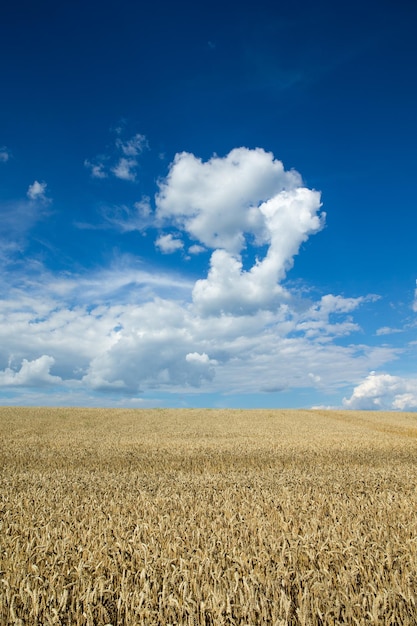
[(31, 374), (195, 357), (151, 349), (168, 244), (37, 191), (384, 392), (163, 345), (229, 289), (226, 202), (217, 202)]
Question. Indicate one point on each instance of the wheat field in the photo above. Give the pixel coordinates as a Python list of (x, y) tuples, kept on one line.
[(207, 517)]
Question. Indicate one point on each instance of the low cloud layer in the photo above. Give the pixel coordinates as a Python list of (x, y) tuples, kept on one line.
[(164, 344)]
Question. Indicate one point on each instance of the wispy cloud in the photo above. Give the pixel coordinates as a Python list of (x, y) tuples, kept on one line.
[(17, 219), (386, 330), (97, 168), (121, 160), (123, 218), (134, 146)]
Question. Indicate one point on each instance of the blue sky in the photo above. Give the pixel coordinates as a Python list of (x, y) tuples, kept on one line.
[(208, 204)]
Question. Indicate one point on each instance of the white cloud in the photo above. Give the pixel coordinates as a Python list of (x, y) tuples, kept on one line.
[(121, 159), (134, 146), (125, 169), (169, 244), (143, 207), (152, 349), (17, 219), (128, 219), (329, 317), (218, 202), (227, 201), (200, 368), (196, 249), (32, 373), (126, 330), (97, 168), (384, 392), (195, 357), (229, 289), (126, 282), (4, 154), (386, 330), (37, 191)]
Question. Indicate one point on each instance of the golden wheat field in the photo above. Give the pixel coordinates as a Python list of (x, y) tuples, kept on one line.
[(207, 517)]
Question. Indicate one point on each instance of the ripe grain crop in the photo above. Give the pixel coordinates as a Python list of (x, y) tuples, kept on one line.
[(207, 517)]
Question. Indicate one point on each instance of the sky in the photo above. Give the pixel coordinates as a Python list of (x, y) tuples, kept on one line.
[(208, 204)]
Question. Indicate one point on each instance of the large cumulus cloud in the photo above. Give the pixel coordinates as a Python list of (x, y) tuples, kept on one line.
[(245, 198)]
